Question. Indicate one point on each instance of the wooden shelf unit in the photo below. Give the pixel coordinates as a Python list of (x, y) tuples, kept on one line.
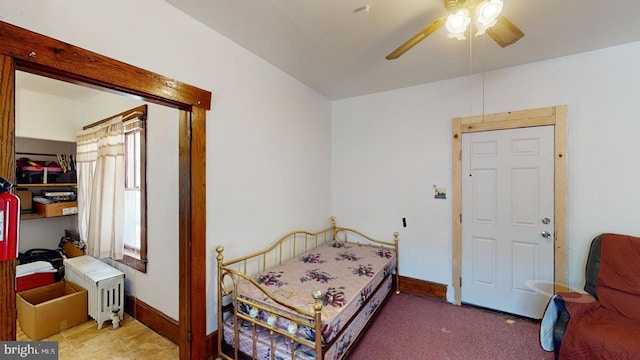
[(48, 185), (37, 187), (31, 216)]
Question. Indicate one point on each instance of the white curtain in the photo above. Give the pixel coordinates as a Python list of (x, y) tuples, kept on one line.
[(100, 162)]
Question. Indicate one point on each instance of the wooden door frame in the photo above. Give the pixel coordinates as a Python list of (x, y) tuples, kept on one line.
[(21, 49), (556, 116)]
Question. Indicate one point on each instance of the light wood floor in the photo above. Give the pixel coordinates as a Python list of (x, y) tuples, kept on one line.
[(132, 341)]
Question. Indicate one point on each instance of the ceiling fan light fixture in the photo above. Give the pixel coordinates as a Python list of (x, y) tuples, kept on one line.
[(457, 24), (488, 19), (487, 13)]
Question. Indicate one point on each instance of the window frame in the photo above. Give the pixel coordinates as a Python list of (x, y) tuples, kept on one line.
[(129, 257)]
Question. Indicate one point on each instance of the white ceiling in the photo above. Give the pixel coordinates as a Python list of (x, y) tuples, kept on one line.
[(341, 52), (41, 84)]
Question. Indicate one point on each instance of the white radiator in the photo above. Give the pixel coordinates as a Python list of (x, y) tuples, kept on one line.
[(104, 284)]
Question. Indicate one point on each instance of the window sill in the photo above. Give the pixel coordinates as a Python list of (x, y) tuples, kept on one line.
[(130, 261)]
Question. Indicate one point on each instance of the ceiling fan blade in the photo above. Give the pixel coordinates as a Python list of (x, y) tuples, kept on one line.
[(504, 32), (416, 39)]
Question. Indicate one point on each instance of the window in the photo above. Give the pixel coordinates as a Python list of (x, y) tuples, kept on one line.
[(135, 240), (111, 166)]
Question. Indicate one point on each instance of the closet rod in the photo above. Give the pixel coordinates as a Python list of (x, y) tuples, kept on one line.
[(128, 115)]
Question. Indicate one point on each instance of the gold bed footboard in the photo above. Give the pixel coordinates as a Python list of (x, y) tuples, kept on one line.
[(263, 317), (271, 316)]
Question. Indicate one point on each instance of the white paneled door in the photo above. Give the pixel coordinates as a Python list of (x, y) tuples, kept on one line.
[(507, 219)]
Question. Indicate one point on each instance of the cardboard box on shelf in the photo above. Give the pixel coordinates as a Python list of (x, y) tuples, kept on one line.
[(57, 209), (50, 309)]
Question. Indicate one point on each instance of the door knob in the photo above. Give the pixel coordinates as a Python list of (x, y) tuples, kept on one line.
[(545, 234), (546, 221)]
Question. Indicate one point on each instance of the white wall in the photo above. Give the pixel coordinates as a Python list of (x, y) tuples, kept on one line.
[(268, 135), (100, 106), (390, 148), (44, 233), (37, 114)]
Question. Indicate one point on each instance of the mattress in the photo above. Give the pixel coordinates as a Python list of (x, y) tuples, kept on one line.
[(347, 275)]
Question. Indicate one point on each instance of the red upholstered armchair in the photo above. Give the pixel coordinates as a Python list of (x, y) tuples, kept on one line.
[(605, 322)]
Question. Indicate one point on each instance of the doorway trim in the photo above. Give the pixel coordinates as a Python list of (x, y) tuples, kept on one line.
[(25, 50), (556, 116)]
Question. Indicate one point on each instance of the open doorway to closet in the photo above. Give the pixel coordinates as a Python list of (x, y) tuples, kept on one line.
[(34, 53), (554, 116)]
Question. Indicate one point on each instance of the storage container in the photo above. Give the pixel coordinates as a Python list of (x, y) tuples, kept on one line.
[(50, 309), (57, 209)]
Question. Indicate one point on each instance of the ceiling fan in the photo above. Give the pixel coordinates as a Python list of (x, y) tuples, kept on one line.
[(488, 19)]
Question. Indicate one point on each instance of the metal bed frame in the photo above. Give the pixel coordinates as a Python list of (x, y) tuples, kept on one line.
[(287, 247)]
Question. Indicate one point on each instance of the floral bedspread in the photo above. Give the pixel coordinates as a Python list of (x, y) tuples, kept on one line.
[(346, 274), (263, 346)]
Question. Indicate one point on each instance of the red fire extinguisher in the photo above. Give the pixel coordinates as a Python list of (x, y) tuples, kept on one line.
[(9, 214)]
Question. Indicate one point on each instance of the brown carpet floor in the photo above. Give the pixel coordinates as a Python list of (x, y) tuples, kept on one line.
[(415, 327)]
